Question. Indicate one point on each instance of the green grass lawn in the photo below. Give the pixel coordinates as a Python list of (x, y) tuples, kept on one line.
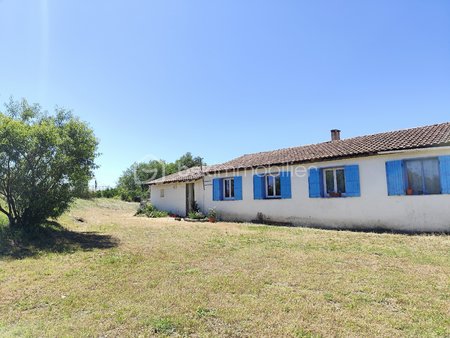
[(107, 273)]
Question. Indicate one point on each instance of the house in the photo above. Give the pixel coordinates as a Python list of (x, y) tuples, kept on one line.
[(395, 181)]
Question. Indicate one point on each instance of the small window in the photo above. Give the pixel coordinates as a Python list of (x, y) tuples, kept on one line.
[(423, 177), (228, 188), (334, 182), (273, 186), (161, 193)]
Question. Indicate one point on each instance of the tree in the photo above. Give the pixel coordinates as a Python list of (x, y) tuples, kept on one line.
[(188, 161), (44, 162), (132, 185)]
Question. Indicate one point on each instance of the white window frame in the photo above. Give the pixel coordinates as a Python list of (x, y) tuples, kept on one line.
[(334, 170), (421, 160), (231, 180), (277, 194)]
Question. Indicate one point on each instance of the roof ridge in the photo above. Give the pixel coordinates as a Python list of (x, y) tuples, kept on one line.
[(394, 131), (433, 135), (342, 140)]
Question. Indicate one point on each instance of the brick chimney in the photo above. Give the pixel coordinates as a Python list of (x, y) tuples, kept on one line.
[(335, 135)]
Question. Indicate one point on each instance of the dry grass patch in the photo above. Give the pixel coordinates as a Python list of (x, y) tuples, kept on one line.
[(164, 277)]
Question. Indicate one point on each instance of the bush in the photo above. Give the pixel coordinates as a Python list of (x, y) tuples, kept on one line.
[(196, 215), (147, 209), (132, 195), (107, 193)]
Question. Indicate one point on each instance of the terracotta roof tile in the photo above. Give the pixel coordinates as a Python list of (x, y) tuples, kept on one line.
[(429, 136), (421, 137), (190, 174)]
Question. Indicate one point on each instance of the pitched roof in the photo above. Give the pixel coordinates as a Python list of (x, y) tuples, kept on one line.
[(191, 174), (421, 137)]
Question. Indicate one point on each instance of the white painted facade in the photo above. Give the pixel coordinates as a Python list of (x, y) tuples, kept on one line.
[(173, 197), (374, 209)]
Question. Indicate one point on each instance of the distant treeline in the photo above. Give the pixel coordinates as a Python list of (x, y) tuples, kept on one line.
[(131, 184)]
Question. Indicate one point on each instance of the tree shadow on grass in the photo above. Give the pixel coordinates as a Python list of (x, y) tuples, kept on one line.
[(50, 237)]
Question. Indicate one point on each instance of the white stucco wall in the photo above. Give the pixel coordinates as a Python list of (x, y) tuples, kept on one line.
[(374, 209), (174, 199)]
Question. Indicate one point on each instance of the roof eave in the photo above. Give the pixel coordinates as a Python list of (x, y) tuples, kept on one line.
[(331, 158), (176, 181)]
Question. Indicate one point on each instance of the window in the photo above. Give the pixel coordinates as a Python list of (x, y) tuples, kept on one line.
[(423, 176), (228, 188), (334, 182), (161, 193), (273, 186)]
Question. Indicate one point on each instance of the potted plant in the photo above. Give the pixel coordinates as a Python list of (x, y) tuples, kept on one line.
[(212, 215), (335, 194), (409, 191)]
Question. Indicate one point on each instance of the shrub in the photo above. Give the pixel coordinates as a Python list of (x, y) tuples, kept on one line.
[(107, 193), (147, 209), (196, 215)]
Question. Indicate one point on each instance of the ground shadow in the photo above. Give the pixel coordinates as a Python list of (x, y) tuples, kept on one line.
[(50, 237), (376, 230)]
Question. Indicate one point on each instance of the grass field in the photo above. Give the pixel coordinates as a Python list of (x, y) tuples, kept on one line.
[(111, 274)]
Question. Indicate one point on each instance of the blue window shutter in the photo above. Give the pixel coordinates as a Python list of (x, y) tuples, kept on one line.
[(352, 185), (217, 189), (315, 181), (285, 180), (258, 187), (444, 167), (238, 188), (395, 175)]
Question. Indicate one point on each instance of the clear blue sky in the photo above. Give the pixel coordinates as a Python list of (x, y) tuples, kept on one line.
[(223, 78)]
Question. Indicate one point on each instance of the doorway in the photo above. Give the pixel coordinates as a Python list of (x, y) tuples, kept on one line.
[(190, 198)]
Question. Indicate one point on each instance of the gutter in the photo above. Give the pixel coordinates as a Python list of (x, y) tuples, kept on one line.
[(411, 150)]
